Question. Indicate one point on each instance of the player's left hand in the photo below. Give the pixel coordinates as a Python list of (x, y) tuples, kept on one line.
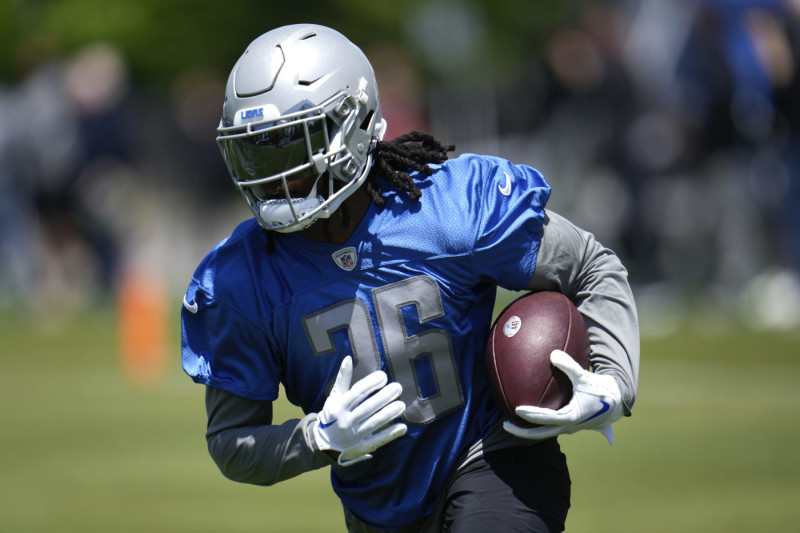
[(596, 403)]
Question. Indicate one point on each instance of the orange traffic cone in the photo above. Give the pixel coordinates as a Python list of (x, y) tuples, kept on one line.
[(142, 327)]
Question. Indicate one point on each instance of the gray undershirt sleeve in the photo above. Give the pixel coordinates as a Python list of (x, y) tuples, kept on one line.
[(571, 261), (248, 448)]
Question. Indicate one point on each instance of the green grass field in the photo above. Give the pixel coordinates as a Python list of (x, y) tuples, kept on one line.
[(714, 443)]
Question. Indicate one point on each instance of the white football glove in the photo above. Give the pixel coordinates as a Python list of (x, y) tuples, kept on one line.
[(596, 403), (354, 421)]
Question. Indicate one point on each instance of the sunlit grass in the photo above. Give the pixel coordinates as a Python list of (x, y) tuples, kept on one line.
[(712, 445)]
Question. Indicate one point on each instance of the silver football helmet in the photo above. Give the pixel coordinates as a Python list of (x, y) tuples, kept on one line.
[(300, 119)]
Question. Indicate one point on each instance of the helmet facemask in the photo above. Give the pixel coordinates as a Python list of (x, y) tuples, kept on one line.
[(300, 166)]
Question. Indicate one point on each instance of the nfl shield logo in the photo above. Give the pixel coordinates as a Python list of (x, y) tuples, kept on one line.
[(345, 258), (512, 326)]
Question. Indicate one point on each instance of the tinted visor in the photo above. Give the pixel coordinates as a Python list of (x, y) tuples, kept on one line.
[(274, 151)]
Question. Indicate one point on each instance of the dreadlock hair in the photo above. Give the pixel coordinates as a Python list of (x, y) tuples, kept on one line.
[(393, 160)]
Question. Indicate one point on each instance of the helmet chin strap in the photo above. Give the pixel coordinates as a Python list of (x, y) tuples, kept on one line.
[(279, 216), (284, 216)]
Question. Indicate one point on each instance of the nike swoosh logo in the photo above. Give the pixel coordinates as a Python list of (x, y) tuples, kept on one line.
[(191, 307), (602, 410), (322, 425), (506, 189)]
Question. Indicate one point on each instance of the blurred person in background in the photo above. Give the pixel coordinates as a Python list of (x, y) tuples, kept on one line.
[(738, 79), (365, 286), (63, 168), (16, 210), (777, 42), (38, 156), (787, 96), (692, 106)]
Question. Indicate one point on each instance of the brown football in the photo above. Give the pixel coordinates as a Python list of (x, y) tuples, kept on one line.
[(519, 347)]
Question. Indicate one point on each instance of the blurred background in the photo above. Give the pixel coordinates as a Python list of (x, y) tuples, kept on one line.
[(670, 129)]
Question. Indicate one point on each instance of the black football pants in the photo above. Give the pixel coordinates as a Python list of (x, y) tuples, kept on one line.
[(518, 489), (525, 488)]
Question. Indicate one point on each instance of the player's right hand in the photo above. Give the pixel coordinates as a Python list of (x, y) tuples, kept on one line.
[(357, 420)]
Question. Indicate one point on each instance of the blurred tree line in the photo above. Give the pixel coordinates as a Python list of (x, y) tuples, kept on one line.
[(161, 38)]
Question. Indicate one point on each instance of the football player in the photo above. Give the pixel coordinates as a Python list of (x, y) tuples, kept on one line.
[(365, 284)]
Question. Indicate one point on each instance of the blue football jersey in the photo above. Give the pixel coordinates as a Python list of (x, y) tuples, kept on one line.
[(411, 293)]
